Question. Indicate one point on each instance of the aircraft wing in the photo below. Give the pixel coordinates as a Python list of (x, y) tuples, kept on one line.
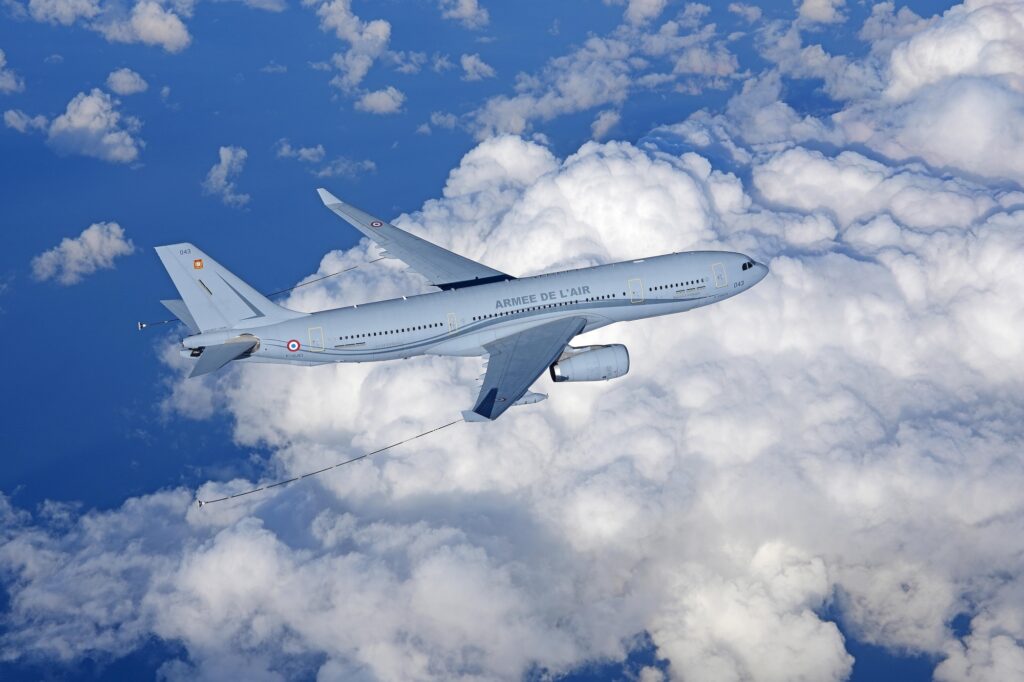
[(444, 269), (515, 362)]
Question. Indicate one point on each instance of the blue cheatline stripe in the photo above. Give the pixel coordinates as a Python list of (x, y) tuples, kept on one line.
[(479, 325)]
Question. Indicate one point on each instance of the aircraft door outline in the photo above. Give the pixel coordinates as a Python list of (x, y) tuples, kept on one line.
[(316, 339), (453, 323), (636, 290), (718, 270)]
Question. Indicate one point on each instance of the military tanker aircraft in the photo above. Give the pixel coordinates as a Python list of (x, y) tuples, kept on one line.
[(521, 325)]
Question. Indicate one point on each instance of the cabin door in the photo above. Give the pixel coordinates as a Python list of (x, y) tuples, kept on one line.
[(636, 290), (718, 270), (316, 339)]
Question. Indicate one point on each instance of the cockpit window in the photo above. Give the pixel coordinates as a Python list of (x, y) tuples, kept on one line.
[(749, 264)]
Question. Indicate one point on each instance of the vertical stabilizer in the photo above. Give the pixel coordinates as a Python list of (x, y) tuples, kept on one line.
[(215, 298)]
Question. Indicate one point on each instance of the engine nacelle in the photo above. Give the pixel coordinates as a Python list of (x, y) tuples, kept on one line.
[(592, 363)]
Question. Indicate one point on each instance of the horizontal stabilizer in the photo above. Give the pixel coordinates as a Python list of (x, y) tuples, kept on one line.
[(215, 357), (180, 311)]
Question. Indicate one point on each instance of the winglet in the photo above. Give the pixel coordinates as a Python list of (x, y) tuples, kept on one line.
[(327, 197)]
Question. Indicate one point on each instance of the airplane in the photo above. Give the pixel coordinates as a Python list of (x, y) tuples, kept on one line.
[(522, 325)]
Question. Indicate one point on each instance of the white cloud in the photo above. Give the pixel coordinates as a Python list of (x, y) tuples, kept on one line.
[(94, 249), (344, 167), (338, 167), (91, 125), (126, 82), (408, 62), (438, 119), (307, 154), (596, 74), (704, 61), (822, 11), (9, 81), (749, 13), (693, 14), (467, 12), (641, 11), (474, 68), (441, 63), (605, 121), (605, 70), (267, 5), (367, 40), (386, 101), (151, 24), (845, 437), (64, 12), (23, 123), (975, 39), (273, 67), (221, 178), (741, 486)]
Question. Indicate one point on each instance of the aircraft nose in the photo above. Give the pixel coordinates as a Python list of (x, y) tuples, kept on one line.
[(760, 271)]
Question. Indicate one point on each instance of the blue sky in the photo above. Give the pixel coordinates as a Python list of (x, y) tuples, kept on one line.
[(796, 108)]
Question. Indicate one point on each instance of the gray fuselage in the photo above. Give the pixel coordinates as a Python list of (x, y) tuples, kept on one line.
[(462, 321)]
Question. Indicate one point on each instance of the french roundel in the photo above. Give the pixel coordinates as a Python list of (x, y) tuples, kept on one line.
[(293, 345), (376, 223)]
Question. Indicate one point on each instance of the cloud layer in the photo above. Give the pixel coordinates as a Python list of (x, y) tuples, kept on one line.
[(843, 439)]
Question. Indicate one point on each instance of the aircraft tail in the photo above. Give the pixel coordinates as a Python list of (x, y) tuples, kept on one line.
[(212, 297)]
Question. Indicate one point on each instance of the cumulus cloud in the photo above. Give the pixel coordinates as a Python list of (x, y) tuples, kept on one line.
[(94, 249), (605, 121), (273, 67), (680, 55), (126, 82), (844, 438), (23, 123), (307, 154), (366, 40), (596, 74), (474, 68), (151, 24), (439, 119), (740, 486), (386, 101), (64, 12), (469, 13), (220, 180), (822, 11), (749, 13), (9, 81), (975, 39), (640, 11), (92, 125), (342, 166)]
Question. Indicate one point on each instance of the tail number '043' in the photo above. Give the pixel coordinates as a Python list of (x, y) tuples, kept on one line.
[(737, 285)]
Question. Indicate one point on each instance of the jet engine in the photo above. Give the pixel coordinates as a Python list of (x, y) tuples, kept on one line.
[(591, 363)]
